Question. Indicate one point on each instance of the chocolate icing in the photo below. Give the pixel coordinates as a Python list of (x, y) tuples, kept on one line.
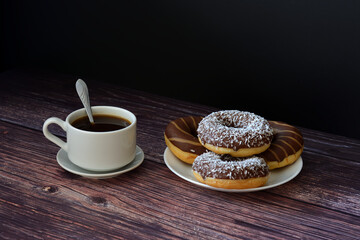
[(235, 129), (287, 141), (182, 133), (217, 166)]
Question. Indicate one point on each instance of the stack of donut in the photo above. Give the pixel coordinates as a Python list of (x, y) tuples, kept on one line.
[(233, 149)]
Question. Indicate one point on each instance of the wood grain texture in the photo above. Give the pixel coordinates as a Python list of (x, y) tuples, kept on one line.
[(38, 199)]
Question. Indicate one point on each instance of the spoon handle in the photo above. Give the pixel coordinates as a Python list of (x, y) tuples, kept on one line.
[(83, 93)]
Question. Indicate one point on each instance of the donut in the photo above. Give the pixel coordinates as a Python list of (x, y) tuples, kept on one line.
[(233, 132), (225, 171), (286, 146), (181, 138)]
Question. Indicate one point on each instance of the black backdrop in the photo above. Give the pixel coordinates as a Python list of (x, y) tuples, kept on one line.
[(296, 61)]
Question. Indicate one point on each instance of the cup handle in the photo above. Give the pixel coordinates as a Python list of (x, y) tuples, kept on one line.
[(52, 137)]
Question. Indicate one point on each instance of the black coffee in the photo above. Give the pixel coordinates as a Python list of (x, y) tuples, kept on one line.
[(103, 123)]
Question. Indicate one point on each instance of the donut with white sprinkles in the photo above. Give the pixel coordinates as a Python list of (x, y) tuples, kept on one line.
[(225, 171), (238, 133)]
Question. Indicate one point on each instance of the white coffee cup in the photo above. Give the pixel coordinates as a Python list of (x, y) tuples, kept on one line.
[(96, 151)]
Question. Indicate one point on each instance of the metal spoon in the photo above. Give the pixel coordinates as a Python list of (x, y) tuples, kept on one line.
[(83, 93)]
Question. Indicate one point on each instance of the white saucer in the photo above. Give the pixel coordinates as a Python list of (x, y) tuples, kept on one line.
[(277, 176), (66, 164)]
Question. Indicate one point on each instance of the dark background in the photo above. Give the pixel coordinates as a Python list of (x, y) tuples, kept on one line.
[(295, 61)]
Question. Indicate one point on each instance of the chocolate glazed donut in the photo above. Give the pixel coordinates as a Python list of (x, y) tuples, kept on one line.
[(286, 146), (181, 138)]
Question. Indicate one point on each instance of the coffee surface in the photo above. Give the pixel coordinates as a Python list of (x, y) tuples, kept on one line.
[(103, 123)]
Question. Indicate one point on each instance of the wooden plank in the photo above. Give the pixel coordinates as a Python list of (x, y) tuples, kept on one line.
[(332, 145), (152, 202)]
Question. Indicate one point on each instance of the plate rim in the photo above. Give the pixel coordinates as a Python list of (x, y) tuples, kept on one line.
[(298, 170)]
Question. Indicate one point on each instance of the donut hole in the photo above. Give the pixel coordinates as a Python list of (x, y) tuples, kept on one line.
[(232, 122), (193, 132), (229, 124)]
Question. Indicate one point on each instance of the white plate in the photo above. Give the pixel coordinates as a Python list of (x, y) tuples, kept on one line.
[(277, 176), (65, 163)]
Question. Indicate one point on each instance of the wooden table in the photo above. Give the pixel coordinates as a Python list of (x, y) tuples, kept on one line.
[(38, 199)]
